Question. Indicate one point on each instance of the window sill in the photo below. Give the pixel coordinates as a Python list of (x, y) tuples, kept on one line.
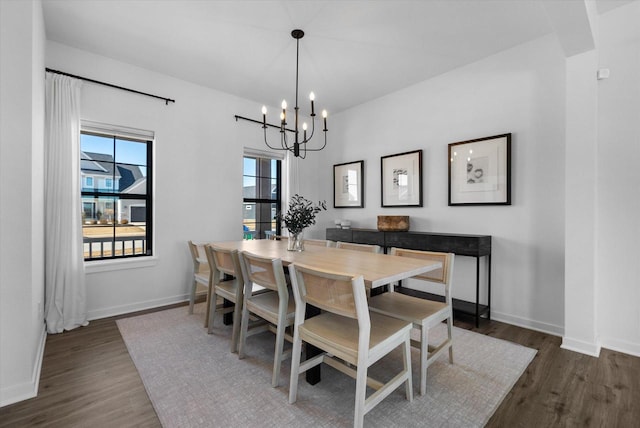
[(113, 265)]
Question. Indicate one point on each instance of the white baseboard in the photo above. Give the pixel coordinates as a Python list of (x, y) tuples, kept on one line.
[(26, 390), (134, 307), (621, 346), (555, 330), (576, 345)]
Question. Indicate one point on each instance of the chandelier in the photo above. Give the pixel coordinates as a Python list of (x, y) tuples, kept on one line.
[(298, 146)]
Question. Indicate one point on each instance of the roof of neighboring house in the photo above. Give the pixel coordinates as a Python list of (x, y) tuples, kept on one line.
[(97, 164), (139, 186), (127, 175)]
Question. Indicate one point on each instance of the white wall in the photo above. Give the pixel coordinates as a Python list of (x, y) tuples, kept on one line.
[(618, 252), (22, 332), (581, 232), (521, 91), (198, 171)]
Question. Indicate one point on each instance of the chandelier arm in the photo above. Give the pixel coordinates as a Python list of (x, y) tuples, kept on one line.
[(313, 128), (267, 142), (283, 142), (319, 148)]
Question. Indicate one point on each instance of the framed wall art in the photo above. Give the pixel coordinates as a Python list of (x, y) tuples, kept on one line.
[(348, 185), (401, 176), (480, 171)]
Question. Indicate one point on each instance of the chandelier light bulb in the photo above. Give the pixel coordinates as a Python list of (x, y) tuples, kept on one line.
[(312, 96), (324, 114), (304, 126), (264, 109), (284, 104)]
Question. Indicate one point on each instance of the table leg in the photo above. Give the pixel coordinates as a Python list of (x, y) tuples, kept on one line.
[(227, 319)]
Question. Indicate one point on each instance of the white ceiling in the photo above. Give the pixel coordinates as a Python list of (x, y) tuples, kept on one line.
[(352, 52)]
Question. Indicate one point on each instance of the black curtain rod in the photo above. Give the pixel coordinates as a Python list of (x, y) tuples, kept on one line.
[(257, 121), (166, 100)]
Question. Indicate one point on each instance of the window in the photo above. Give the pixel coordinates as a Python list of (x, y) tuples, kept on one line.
[(115, 167), (261, 198)]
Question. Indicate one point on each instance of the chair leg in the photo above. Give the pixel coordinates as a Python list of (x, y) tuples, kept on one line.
[(406, 355), (210, 295), (361, 391), (211, 312), (424, 356), (277, 357), (449, 331), (235, 329), (244, 326), (192, 296), (295, 366)]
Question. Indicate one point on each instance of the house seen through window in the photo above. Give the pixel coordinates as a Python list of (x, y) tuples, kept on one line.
[(261, 196), (116, 195)]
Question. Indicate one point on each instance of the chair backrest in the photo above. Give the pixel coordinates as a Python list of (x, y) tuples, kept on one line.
[(223, 260), (441, 275), (264, 271), (198, 258), (317, 242), (340, 293), (368, 248)]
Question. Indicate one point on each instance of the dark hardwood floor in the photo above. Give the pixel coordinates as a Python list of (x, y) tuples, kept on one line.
[(89, 380)]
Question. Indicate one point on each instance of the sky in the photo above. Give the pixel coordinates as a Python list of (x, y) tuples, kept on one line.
[(130, 152)]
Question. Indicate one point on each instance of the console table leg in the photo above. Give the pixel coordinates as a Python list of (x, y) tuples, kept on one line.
[(477, 292), (489, 287)]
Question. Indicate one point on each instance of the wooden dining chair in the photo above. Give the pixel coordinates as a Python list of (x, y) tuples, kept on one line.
[(273, 307), (201, 273), (317, 242), (423, 314), (369, 248), (227, 280), (347, 333)]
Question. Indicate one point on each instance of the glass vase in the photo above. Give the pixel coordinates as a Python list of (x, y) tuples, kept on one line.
[(296, 242)]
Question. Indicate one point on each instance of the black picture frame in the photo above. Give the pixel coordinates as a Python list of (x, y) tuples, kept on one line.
[(348, 185), (401, 180), (480, 171)]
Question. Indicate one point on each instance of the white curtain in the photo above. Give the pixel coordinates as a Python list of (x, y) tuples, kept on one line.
[(292, 183), (65, 295)]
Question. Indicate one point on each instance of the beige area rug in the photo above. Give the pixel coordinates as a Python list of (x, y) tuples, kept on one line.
[(194, 381)]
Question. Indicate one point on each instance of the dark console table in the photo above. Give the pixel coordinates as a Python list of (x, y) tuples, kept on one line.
[(461, 245)]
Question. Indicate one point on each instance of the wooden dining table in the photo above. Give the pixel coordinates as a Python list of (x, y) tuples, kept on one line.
[(377, 269)]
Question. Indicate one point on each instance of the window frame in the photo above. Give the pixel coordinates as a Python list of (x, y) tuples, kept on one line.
[(127, 134), (257, 155)]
